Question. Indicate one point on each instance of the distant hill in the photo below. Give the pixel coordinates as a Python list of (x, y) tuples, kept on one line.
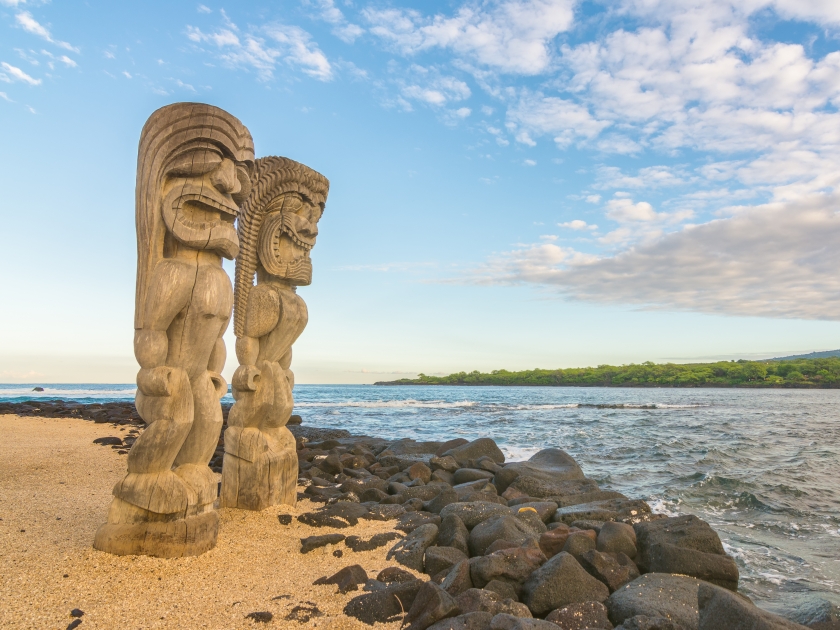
[(811, 355)]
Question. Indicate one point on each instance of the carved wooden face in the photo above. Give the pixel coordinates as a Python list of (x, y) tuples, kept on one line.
[(203, 189), (287, 236)]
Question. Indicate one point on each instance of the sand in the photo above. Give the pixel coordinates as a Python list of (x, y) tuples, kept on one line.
[(55, 488)]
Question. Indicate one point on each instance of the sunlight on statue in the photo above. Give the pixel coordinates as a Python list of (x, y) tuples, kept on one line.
[(277, 230), (194, 168)]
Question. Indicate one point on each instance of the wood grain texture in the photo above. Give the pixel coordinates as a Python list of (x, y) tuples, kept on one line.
[(278, 225), (193, 171)]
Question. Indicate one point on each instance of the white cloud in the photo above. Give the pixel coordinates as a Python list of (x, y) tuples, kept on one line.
[(290, 43), (126, 74), (567, 121), (578, 225), (204, 9), (344, 30), (593, 198), (511, 35), (12, 73), (429, 86), (5, 97), (529, 162), (28, 23), (537, 263), (778, 260), (623, 210)]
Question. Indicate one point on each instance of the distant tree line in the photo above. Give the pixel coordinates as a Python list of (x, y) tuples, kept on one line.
[(801, 373)]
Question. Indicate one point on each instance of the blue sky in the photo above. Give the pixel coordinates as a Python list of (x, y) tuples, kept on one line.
[(514, 184)]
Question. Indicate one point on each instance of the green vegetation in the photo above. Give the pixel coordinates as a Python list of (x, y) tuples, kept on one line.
[(803, 373)]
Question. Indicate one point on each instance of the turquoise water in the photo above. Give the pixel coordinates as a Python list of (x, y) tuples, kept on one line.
[(762, 466)]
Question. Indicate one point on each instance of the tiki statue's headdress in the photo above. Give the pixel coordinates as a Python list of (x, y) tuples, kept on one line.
[(170, 140), (273, 180)]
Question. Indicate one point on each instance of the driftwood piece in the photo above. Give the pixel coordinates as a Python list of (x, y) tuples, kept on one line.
[(277, 230), (193, 170)]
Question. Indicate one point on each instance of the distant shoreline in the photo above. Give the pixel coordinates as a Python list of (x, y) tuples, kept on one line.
[(623, 385), (820, 373)]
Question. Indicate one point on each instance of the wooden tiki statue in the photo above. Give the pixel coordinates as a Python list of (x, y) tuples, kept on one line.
[(193, 172), (277, 229)]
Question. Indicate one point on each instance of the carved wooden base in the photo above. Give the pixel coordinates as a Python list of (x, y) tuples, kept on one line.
[(177, 518), (259, 470), (189, 536)]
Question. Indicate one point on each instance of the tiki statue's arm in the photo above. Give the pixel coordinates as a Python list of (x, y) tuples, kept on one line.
[(261, 317), (169, 292)]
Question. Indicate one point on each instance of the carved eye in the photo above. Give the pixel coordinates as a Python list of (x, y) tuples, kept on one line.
[(195, 162)]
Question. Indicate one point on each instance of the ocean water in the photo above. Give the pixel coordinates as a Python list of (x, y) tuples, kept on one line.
[(762, 466)]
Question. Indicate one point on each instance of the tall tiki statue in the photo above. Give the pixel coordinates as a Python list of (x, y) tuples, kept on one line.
[(193, 171), (277, 229)]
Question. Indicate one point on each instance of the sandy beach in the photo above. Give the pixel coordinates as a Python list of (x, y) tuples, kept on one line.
[(55, 488)]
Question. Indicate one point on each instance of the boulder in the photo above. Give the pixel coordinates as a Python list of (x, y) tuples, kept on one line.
[(437, 559), (348, 579), (469, 621), (617, 538), (504, 621), (628, 510), (540, 475), (420, 471), (643, 622), (544, 509), (395, 574), (686, 545), (722, 610), (338, 515), (446, 497), (458, 579), (478, 599), (453, 533), (608, 569), (507, 528), (586, 493), (510, 565), (532, 519), (471, 514), (559, 582), (446, 464), (412, 520), (465, 475), (410, 550), (449, 445), (314, 542), (505, 589), (384, 605), (431, 604), (657, 595), (581, 616), (578, 543), (467, 454), (441, 476), (498, 545), (376, 541), (553, 541)]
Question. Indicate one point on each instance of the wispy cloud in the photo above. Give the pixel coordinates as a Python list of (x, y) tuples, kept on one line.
[(5, 97), (12, 73), (512, 36), (261, 49), (28, 23), (342, 28)]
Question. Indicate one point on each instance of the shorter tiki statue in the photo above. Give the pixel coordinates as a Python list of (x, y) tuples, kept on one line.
[(193, 171), (277, 230)]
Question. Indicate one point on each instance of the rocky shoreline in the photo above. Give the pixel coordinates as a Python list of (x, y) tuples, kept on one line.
[(496, 545)]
